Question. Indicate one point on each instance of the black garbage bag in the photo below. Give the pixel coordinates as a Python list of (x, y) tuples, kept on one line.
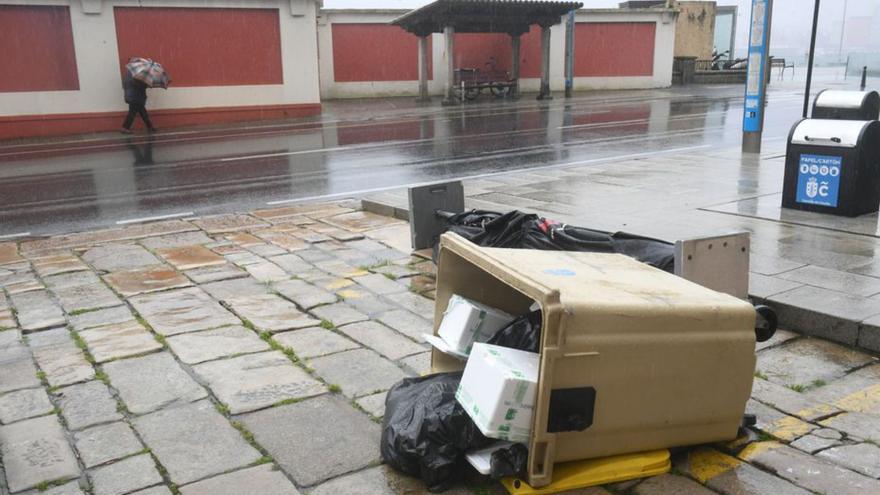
[(426, 432), (509, 461), (523, 333), (520, 230)]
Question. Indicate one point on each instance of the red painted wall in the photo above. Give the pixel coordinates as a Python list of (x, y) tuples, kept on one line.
[(614, 49), (473, 50), (38, 52), (376, 52), (204, 46)]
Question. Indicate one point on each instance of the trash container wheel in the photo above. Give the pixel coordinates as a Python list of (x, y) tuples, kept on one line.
[(765, 327)]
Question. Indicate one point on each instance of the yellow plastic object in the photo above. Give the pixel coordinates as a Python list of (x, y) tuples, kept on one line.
[(592, 472)]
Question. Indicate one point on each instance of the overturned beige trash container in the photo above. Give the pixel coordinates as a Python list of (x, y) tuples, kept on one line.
[(649, 359)]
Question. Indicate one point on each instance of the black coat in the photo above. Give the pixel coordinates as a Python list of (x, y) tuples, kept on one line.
[(135, 91)]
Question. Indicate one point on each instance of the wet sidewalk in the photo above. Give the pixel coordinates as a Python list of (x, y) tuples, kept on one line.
[(820, 272), (250, 353)]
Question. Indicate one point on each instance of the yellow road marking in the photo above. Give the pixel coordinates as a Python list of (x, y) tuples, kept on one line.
[(708, 463), (864, 400), (789, 428), (757, 448)]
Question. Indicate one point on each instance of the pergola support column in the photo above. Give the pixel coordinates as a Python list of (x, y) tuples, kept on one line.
[(545, 64), (449, 34), (515, 42), (423, 69)]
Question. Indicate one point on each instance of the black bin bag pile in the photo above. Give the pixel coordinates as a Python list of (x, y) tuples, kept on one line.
[(426, 432), (518, 230)]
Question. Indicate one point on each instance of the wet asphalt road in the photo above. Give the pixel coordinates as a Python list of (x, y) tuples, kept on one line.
[(356, 147)]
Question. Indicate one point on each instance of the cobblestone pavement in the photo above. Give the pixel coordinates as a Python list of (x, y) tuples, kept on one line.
[(251, 354)]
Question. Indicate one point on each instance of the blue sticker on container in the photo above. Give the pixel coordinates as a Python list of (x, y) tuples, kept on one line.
[(819, 180), (560, 272)]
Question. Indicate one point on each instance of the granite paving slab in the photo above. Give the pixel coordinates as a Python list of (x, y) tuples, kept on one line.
[(87, 404), (813, 443), (181, 311), (59, 358), (382, 339), (216, 273), (263, 480), (7, 319), (24, 404), (851, 283), (36, 451), (16, 365), (304, 294), (267, 250), (803, 361), (291, 263), (339, 314), (152, 382), (316, 439), (255, 381), (189, 257), (358, 372), (420, 364), (176, 240), (194, 441), (238, 287), (9, 253), (862, 458), (221, 224), (124, 476), (858, 391), (145, 280), (54, 265), (119, 341), (86, 298), (102, 444), (74, 279), (777, 424), (117, 257), (267, 272), (791, 402), (360, 221), (670, 483), (855, 424), (271, 313), (813, 473), (373, 404), (36, 310), (101, 317), (71, 488), (198, 347), (313, 342), (407, 323)]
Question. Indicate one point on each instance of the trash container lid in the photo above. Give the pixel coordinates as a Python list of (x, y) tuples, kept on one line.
[(832, 133), (836, 98)]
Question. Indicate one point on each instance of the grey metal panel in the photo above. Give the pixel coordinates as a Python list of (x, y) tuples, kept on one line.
[(425, 226), (719, 263)]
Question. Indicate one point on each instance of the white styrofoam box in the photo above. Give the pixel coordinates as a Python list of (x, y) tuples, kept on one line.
[(498, 391), (466, 322)]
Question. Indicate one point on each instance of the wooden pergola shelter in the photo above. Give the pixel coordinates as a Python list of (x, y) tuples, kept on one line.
[(513, 17)]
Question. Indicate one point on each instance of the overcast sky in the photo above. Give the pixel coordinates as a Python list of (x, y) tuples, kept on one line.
[(791, 20)]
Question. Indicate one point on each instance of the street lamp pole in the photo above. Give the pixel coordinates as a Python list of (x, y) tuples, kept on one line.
[(842, 30), (810, 61)]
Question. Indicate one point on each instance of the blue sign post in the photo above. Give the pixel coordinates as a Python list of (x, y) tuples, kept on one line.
[(756, 81)]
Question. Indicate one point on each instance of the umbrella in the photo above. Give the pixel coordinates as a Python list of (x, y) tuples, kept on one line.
[(148, 72)]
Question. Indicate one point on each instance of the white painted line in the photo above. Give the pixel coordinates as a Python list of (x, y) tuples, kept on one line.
[(13, 236), (153, 219), (489, 174)]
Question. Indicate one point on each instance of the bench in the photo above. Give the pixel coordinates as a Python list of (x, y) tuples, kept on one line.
[(780, 62)]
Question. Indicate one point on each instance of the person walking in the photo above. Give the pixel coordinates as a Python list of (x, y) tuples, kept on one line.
[(136, 97)]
